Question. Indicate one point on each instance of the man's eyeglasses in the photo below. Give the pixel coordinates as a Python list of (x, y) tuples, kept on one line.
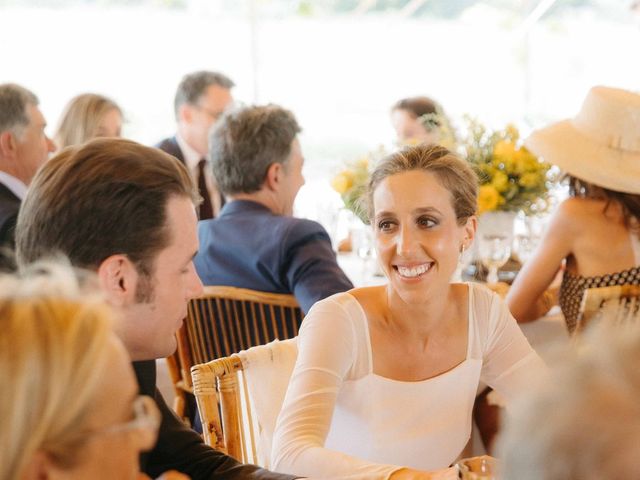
[(214, 115)]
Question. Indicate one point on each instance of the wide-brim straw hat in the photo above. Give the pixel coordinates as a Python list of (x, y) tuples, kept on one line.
[(601, 145)]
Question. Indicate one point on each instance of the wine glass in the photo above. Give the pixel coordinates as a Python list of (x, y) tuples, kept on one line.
[(478, 468), (495, 250), (464, 260), (524, 247), (364, 246)]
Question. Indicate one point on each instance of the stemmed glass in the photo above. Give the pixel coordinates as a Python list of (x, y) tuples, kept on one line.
[(478, 468), (495, 250), (524, 247), (364, 246)]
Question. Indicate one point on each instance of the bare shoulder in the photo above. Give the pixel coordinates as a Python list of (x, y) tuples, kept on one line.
[(460, 291), (363, 292), (459, 296), (585, 207), (575, 214), (592, 213), (368, 297)]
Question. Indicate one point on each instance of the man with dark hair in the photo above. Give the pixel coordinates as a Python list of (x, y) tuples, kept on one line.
[(23, 148), (128, 212), (200, 100), (255, 242)]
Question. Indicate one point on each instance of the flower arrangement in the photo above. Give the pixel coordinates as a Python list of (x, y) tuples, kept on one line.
[(511, 177), (440, 125), (351, 182)]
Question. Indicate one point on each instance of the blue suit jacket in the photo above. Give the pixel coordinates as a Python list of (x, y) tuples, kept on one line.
[(248, 246)]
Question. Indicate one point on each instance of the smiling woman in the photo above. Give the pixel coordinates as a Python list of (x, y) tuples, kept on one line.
[(402, 360)]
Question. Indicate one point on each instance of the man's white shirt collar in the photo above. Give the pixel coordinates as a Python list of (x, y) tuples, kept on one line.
[(16, 186), (191, 157)]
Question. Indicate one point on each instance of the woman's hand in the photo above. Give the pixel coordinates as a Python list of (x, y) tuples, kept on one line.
[(450, 473)]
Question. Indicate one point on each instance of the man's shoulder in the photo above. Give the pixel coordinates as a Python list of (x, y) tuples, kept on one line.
[(170, 146), (288, 228), (7, 197), (302, 227)]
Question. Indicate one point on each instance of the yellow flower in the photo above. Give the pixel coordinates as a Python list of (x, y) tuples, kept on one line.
[(363, 162), (525, 161), (488, 199), (500, 181), (343, 181), (530, 180), (511, 131), (504, 149)]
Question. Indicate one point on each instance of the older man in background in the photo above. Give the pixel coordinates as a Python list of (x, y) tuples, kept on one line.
[(256, 242), (24, 147), (200, 100)]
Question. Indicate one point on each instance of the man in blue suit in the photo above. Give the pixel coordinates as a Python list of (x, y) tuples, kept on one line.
[(255, 242)]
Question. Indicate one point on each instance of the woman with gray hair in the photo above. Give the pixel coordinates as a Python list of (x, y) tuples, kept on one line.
[(584, 423), (69, 405)]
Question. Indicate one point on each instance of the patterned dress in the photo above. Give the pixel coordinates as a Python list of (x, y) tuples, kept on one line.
[(573, 286)]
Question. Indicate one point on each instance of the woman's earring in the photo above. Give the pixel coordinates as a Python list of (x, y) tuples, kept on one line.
[(462, 249)]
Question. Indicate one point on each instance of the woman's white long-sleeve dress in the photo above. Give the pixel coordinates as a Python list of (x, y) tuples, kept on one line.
[(341, 419)]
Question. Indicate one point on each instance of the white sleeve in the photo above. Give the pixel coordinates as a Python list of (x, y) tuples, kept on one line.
[(327, 349), (510, 366)]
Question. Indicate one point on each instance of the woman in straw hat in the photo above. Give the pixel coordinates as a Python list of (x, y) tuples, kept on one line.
[(594, 233)]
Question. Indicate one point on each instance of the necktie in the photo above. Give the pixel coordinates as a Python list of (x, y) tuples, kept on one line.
[(206, 210)]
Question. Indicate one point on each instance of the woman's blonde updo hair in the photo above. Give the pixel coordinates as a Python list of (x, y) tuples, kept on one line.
[(453, 173), (54, 342), (81, 119)]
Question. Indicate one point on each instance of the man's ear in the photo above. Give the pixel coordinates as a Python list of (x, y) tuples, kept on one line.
[(185, 113), (38, 467), (274, 176), (8, 144), (118, 279)]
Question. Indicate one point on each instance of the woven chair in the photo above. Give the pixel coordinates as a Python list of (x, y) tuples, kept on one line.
[(616, 304), (225, 320), (239, 398)]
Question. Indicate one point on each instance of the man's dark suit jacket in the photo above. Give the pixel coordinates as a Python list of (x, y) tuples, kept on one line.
[(180, 448), (9, 206), (170, 145), (248, 246)]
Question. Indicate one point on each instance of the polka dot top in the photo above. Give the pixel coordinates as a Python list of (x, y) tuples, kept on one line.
[(573, 286)]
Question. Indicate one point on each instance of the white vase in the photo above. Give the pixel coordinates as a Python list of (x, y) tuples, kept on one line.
[(498, 223), (494, 223)]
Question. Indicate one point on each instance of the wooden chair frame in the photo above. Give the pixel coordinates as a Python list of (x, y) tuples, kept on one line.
[(217, 391), (225, 320), (619, 302), (224, 402)]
